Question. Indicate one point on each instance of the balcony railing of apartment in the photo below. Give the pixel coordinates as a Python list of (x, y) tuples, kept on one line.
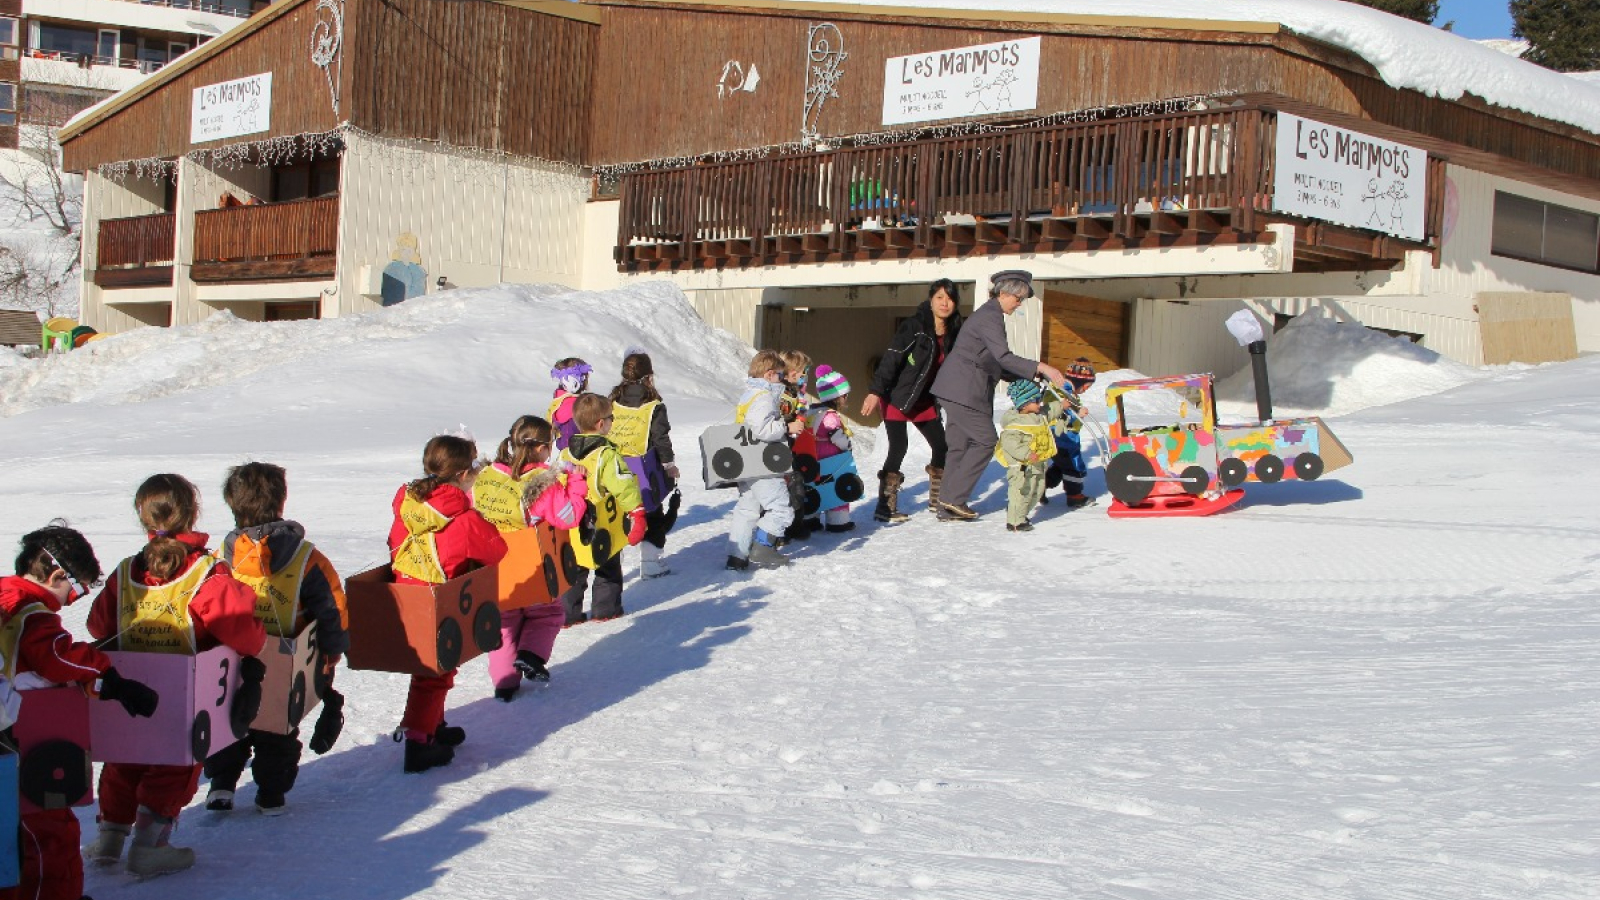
[(294, 239), (1188, 179), (89, 60), (135, 251), (206, 6)]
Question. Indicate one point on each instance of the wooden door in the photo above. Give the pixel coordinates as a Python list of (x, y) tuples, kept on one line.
[(1076, 326)]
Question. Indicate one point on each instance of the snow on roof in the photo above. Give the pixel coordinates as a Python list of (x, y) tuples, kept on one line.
[(1406, 54)]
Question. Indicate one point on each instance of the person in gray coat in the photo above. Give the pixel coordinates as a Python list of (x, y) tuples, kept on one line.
[(981, 358)]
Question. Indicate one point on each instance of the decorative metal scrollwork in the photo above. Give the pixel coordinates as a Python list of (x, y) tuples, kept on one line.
[(327, 45), (825, 54)]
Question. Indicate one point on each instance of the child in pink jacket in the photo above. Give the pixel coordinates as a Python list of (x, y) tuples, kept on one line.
[(832, 436), (545, 498)]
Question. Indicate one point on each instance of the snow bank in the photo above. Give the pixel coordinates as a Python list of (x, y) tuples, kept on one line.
[(1406, 54), (508, 334), (1322, 367)]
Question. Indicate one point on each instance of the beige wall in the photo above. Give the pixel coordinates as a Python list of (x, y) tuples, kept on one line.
[(477, 221), (98, 308)]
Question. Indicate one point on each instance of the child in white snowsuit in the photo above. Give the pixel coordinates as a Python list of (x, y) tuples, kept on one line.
[(763, 510)]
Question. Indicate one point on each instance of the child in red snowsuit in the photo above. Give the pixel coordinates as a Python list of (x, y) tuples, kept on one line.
[(143, 608), (55, 568), (436, 536)]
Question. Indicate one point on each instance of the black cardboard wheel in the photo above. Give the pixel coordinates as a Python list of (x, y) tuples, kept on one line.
[(448, 645), (1308, 467), (297, 699), (807, 466), (777, 458), (200, 736), (727, 463), (813, 502), (1269, 469), (54, 774), (1195, 480), (1124, 467), (486, 628), (552, 578), (600, 547), (1232, 472), (849, 487)]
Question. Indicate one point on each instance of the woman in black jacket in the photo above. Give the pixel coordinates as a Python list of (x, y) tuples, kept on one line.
[(900, 386)]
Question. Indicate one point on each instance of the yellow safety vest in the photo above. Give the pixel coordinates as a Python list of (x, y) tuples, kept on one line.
[(11, 636), (418, 555), (498, 496), (743, 409), (156, 619), (607, 515), (630, 427), (1041, 443), (278, 594)]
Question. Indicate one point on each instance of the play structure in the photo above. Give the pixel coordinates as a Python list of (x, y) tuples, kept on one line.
[(63, 333), (1167, 455)]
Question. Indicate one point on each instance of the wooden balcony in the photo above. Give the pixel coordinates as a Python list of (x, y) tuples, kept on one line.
[(296, 240), (135, 251), (1189, 179)]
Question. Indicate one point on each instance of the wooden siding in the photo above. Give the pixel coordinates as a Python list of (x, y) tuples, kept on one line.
[(156, 124), (137, 240), (283, 234), (656, 95), (474, 75)]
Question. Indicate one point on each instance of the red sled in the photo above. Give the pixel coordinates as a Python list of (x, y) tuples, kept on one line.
[(1174, 505)]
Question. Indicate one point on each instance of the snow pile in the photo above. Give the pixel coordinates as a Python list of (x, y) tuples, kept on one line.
[(10, 357), (508, 334), (1322, 367), (1508, 46), (1406, 54)]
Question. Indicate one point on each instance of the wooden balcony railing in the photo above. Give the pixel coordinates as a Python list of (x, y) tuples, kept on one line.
[(135, 251), (1198, 176), (295, 239)]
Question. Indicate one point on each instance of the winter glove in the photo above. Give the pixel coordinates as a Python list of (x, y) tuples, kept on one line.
[(135, 697), (840, 439), (329, 723), (636, 527), (248, 699)]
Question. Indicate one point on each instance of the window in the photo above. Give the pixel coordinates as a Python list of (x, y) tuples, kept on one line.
[(8, 103), (305, 180), (1535, 231), (55, 39), (8, 31), (107, 46), (175, 50)]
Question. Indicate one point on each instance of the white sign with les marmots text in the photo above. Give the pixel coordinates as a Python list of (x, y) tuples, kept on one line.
[(1349, 178)]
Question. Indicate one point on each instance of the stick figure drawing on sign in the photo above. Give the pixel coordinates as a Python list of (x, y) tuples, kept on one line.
[(1397, 192), (1370, 200), (1001, 85)]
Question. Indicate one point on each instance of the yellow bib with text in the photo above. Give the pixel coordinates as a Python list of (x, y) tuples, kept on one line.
[(1040, 443), (418, 555), (498, 496), (278, 594), (156, 619), (630, 427), (593, 554), (11, 636)]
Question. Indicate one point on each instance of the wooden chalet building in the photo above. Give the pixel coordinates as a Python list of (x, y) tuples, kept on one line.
[(803, 170)]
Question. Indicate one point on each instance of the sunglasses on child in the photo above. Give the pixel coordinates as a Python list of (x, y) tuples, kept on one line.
[(75, 589)]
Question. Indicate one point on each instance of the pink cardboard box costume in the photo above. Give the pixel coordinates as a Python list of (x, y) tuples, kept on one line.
[(196, 715), (294, 684), (421, 629), (52, 734)]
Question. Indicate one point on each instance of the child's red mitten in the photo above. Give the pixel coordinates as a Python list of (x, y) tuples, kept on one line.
[(636, 528)]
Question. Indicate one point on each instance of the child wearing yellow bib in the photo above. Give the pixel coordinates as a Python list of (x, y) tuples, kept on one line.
[(294, 586), (553, 500), (643, 435), (571, 376), (171, 597), (1026, 447), (614, 514)]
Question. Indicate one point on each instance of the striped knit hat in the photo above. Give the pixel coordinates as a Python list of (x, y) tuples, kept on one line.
[(1024, 391), (830, 385)]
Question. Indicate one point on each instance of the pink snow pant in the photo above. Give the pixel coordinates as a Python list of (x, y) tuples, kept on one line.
[(532, 628)]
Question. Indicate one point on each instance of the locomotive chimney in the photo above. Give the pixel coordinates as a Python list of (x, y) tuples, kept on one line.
[(1246, 329)]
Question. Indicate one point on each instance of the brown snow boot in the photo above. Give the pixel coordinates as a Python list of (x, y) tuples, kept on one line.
[(889, 498), (935, 475)]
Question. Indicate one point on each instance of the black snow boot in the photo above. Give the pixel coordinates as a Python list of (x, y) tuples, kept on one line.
[(888, 509)]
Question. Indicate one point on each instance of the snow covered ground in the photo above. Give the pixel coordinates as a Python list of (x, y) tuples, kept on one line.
[(1384, 685)]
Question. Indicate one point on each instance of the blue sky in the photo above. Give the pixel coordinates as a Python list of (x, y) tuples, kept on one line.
[(1477, 18)]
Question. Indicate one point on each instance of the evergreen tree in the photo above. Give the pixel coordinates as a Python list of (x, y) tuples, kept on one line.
[(1563, 34), (1422, 11)]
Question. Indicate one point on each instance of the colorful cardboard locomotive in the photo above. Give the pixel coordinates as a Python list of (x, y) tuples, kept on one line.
[(295, 684), (730, 454), (837, 483), (197, 716), (52, 734), (539, 566), (421, 629), (1183, 463)]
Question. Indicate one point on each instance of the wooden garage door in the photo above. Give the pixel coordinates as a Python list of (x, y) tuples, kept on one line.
[(1077, 326)]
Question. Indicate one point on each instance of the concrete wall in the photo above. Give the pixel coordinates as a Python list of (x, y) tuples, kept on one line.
[(477, 221)]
